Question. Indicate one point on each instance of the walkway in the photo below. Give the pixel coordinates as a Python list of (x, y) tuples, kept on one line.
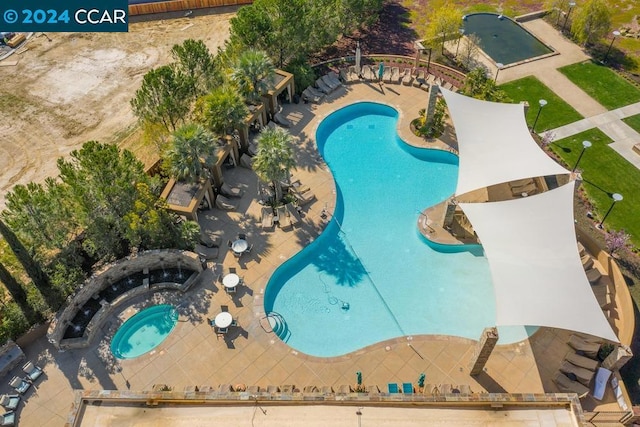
[(546, 70)]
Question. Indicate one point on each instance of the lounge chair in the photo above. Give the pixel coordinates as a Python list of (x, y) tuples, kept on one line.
[(368, 73), (19, 384), (324, 88), (205, 252), (407, 77), (407, 388), (311, 97), (10, 401), (225, 204), (601, 292), (447, 85), (386, 75), (600, 383), (252, 149), (464, 389), (419, 79), (581, 250), (395, 75), (229, 191), (267, 217), (33, 372), (587, 348), (431, 79), (273, 389), (310, 389), (253, 389), (593, 275), (281, 120), (581, 361), (372, 389), (587, 261), (333, 84), (294, 215), (393, 388), (8, 419), (303, 198), (210, 241), (225, 388), (327, 389), (581, 374), (446, 389), (567, 385), (283, 218), (289, 388), (246, 162), (295, 185), (335, 77)]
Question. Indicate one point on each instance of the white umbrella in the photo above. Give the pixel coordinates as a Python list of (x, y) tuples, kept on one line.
[(358, 55)]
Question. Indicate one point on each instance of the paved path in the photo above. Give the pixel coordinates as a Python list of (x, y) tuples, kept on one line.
[(546, 70)]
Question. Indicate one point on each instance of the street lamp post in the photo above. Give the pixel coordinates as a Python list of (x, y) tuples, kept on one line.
[(499, 66), (616, 198), (461, 30), (585, 145), (616, 33), (542, 103), (572, 4)]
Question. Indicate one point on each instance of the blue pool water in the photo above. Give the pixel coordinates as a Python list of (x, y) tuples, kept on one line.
[(371, 275), (144, 331), (503, 39)]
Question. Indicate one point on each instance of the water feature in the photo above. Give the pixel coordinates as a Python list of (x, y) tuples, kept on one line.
[(144, 331)]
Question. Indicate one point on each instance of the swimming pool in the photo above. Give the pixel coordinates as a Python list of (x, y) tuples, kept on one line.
[(371, 276), (144, 331), (504, 40)]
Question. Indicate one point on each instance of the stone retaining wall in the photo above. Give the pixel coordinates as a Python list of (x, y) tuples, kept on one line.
[(143, 262)]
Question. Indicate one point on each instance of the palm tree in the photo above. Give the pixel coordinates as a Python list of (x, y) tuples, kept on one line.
[(274, 159), (253, 73), (222, 110), (190, 151)]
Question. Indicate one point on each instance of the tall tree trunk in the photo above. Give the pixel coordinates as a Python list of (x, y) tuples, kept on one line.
[(18, 295), (32, 267)]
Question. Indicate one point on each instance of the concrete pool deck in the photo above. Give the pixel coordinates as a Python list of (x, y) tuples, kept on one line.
[(192, 355)]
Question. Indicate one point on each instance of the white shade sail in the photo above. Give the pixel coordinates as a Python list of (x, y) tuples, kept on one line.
[(494, 143), (537, 274)]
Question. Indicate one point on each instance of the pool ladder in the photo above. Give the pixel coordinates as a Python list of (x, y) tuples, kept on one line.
[(275, 323)]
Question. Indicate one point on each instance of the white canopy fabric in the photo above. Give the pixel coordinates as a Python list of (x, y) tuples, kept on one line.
[(535, 265), (494, 144)]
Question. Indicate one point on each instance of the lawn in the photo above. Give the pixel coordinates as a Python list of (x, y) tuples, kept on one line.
[(602, 84), (633, 122), (555, 114), (605, 172)]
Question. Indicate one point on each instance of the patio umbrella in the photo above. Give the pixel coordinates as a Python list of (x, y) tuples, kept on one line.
[(380, 70), (358, 58)]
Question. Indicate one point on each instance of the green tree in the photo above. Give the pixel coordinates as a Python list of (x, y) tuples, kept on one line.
[(164, 97), (253, 73), (591, 22), (480, 86), (444, 23), (191, 151), (275, 158), (222, 110), (194, 61)]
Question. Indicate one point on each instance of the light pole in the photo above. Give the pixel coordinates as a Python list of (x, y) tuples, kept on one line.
[(542, 103), (616, 198), (616, 33), (461, 31), (499, 66), (572, 4), (585, 145)]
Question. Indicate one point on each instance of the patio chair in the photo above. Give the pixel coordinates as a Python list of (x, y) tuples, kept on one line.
[(295, 185), (393, 388), (19, 384), (303, 198), (8, 419), (581, 361), (446, 389), (386, 75), (395, 75), (283, 218), (205, 252), (294, 215), (600, 383), (344, 389), (587, 348), (231, 290), (593, 275), (368, 73), (333, 85), (407, 388), (289, 388), (252, 149), (323, 87), (253, 389), (33, 372), (310, 389), (316, 91), (210, 241), (567, 385), (464, 389), (267, 216), (246, 162), (587, 261), (225, 204), (327, 389), (273, 389), (335, 77), (229, 191), (309, 96), (419, 79), (225, 388), (10, 401), (281, 120), (221, 331), (373, 389), (407, 77), (601, 292), (581, 374)]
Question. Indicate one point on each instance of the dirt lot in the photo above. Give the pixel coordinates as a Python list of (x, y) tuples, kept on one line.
[(77, 86)]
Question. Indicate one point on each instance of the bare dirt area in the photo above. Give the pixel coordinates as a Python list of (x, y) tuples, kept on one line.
[(69, 88)]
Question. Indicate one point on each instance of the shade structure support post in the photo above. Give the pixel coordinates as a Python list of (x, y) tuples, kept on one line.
[(483, 350), (617, 358)]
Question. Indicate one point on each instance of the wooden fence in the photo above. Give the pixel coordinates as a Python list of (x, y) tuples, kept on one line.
[(178, 5)]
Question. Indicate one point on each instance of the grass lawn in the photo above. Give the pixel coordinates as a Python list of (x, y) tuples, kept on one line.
[(633, 122), (555, 114), (605, 172), (602, 84)]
